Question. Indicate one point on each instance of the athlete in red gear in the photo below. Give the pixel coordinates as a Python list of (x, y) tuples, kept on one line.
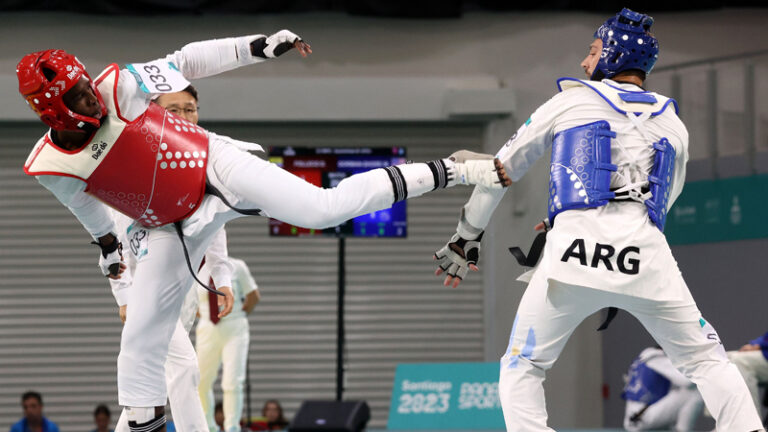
[(109, 144)]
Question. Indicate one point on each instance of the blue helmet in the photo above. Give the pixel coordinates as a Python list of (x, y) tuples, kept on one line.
[(627, 44)]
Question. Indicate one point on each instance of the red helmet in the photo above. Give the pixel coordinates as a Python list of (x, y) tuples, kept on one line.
[(45, 96)]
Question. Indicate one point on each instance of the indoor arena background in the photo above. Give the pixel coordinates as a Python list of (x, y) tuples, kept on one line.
[(433, 84)]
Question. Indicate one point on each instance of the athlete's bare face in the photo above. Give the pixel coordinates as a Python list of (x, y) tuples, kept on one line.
[(180, 103), (590, 61), (82, 100)]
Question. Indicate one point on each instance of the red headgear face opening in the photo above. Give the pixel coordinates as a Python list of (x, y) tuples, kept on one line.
[(44, 78)]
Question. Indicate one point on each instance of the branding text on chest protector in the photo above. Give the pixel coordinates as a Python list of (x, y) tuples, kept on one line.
[(603, 253)]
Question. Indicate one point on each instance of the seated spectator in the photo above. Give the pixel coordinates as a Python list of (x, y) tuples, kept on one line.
[(33, 421), (752, 361), (273, 413), (101, 418), (659, 396)]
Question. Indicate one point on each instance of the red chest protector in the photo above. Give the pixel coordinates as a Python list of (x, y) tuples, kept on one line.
[(151, 169)]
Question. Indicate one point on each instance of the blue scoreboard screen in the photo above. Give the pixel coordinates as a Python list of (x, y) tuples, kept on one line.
[(326, 167)]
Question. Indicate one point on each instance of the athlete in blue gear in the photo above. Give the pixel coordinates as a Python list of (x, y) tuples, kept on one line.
[(618, 164), (658, 396)]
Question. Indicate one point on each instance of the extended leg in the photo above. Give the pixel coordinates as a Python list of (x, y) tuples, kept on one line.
[(255, 183)]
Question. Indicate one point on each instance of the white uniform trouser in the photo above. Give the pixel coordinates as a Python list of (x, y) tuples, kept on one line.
[(161, 279), (678, 411), (549, 312), (182, 378), (223, 344), (754, 368)]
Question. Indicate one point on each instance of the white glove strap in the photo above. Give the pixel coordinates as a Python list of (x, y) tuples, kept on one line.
[(243, 47)]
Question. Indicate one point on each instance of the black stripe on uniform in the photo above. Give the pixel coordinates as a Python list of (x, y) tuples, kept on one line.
[(398, 183), (150, 426), (439, 173)]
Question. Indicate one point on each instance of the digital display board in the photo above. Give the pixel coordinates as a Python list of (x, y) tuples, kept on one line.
[(326, 167)]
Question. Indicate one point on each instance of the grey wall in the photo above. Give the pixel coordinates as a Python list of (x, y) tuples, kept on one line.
[(522, 51), (368, 67)]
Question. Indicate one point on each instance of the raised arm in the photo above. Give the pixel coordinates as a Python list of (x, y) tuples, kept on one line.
[(211, 57), (141, 82)]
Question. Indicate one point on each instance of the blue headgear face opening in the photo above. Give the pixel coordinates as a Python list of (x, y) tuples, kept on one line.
[(627, 44)]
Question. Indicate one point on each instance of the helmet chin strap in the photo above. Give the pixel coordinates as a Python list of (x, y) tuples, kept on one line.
[(89, 128), (85, 131)]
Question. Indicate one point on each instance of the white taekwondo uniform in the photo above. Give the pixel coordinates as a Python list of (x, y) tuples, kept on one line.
[(162, 277), (640, 276)]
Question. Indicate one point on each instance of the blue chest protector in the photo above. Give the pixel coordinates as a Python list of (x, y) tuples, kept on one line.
[(580, 169), (645, 385), (660, 182)]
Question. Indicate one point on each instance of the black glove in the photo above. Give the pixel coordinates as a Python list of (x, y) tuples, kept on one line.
[(110, 258), (456, 256)]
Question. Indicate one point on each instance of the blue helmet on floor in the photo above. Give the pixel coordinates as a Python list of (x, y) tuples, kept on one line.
[(627, 44)]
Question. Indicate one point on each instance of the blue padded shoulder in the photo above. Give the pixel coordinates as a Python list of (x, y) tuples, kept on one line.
[(638, 97), (580, 169)]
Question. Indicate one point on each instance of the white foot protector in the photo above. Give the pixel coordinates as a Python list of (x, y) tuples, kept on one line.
[(477, 172), (140, 415)]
